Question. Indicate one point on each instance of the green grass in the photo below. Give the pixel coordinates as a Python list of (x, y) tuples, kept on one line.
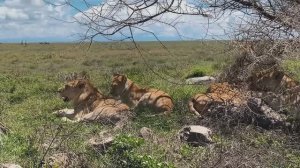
[(293, 68), (30, 77)]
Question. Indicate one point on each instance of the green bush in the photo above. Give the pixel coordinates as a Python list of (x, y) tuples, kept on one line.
[(292, 67), (201, 70), (124, 154), (126, 143)]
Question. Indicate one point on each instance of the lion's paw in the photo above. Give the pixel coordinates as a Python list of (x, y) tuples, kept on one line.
[(66, 119), (64, 112)]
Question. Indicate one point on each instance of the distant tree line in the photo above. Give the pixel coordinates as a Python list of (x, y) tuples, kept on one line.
[(45, 43)]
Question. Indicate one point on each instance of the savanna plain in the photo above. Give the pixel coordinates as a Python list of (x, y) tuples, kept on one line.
[(31, 75)]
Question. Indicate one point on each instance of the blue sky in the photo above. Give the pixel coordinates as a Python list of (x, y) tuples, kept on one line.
[(36, 21)]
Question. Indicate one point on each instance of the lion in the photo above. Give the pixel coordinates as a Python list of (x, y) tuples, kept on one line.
[(217, 93), (272, 80), (90, 104), (277, 89), (136, 97)]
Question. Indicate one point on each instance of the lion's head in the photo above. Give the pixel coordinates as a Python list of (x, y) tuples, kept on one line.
[(118, 84), (74, 89), (273, 80)]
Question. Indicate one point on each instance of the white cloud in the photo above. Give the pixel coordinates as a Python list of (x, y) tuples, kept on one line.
[(12, 14), (22, 19), (187, 26), (24, 3)]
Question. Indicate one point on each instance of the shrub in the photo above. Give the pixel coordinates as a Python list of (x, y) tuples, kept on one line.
[(124, 154), (200, 71)]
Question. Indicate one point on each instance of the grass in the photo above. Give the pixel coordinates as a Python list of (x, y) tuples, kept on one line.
[(30, 76), (292, 66)]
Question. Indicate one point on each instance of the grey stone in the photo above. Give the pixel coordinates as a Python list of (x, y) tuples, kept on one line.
[(9, 165), (264, 115), (200, 80), (64, 160), (196, 135), (101, 144), (146, 133)]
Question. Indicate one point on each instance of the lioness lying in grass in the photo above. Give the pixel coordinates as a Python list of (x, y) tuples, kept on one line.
[(89, 104), (217, 93), (272, 80), (137, 97)]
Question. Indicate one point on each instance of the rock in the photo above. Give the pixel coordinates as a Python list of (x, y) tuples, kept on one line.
[(101, 144), (64, 160), (146, 133), (264, 115), (59, 159), (9, 165), (51, 144), (275, 101), (124, 121), (200, 80), (195, 135)]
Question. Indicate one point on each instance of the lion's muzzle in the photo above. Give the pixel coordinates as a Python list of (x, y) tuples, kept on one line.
[(65, 99), (60, 91)]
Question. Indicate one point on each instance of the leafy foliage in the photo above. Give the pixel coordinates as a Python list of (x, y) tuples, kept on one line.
[(123, 152)]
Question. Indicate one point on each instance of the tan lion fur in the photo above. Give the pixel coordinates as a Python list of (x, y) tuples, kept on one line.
[(217, 93), (134, 96), (90, 104), (272, 80)]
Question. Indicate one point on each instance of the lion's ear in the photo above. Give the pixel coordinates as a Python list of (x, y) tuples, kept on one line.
[(81, 84), (124, 78)]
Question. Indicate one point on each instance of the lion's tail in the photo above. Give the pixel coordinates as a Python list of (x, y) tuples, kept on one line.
[(192, 108)]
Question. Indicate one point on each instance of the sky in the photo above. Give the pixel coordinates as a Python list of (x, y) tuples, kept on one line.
[(41, 21)]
